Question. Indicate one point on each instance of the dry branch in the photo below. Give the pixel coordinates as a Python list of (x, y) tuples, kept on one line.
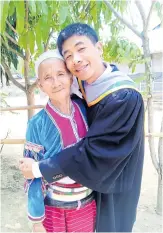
[(7, 70), (11, 27), (124, 21)]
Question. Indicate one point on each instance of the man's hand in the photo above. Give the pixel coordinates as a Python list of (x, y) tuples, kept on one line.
[(38, 227), (25, 166)]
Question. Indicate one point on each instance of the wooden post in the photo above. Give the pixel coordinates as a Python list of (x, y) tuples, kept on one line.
[(22, 108), (12, 141), (22, 141)]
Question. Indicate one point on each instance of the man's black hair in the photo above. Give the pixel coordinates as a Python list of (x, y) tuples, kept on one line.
[(79, 29)]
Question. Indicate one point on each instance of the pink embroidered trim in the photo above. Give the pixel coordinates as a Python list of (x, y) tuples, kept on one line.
[(36, 219), (33, 147)]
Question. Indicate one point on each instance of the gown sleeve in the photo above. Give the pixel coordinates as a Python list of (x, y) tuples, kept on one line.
[(106, 159)]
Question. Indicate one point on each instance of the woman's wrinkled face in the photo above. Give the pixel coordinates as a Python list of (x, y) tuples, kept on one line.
[(54, 79)]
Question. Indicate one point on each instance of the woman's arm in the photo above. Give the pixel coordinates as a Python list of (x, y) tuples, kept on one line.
[(34, 188)]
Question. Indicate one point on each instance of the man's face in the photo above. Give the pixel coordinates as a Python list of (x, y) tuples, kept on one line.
[(83, 58)]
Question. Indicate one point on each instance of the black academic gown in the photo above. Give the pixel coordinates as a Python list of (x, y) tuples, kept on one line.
[(108, 160)]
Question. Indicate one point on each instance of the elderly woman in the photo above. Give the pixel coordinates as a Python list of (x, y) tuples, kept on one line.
[(65, 205)]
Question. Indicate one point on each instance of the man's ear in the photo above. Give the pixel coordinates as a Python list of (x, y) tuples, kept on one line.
[(71, 78), (99, 48)]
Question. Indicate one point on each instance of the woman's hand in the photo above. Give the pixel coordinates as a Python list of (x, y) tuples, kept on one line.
[(25, 166), (38, 227)]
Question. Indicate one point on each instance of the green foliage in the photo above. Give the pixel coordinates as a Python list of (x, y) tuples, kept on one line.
[(122, 51), (52, 45), (46, 15), (43, 16), (20, 15), (140, 79), (4, 14), (3, 102), (7, 55), (159, 8)]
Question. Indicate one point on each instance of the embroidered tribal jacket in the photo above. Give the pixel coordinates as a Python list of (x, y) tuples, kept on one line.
[(49, 132)]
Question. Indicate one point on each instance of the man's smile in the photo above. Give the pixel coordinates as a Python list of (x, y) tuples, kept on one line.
[(81, 68)]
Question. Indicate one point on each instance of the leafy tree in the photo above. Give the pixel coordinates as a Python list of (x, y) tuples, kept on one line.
[(122, 51)]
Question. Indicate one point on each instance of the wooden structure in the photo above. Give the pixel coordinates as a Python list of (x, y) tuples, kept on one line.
[(21, 141)]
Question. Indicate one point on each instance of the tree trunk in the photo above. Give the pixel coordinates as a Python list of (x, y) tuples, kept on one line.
[(159, 191), (29, 93), (148, 72), (159, 196), (155, 161), (31, 98), (30, 101)]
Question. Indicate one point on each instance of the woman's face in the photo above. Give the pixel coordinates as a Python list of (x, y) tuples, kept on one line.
[(54, 79)]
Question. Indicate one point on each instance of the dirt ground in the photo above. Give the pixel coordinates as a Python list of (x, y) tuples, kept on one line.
[(13, 199)]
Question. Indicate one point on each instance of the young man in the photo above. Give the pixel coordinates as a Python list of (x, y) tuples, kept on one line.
[(109, 159)]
